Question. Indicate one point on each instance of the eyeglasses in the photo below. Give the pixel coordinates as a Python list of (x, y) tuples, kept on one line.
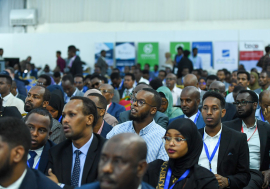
[(170, 79), (164, 102), (39, 83), (176, 141), (96, 84), (100, 107), (78, 82), (202, 83), (140, 102), (242, 103), (104, 91)]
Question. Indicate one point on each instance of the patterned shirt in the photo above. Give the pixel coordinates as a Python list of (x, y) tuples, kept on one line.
[(152, 134)]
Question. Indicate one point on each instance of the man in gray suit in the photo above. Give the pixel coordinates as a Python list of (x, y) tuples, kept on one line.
[(69, 88), (101, 62)]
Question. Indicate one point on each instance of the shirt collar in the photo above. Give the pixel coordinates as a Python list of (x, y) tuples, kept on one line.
[(7, 97), (216, 136), (17, 183), (245, 126), (85, 147), (100, 129), (147, 128), (192, 118), (74, 94), (39, 151)]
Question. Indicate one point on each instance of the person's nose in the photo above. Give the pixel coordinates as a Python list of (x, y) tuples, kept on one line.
[(108, 167)]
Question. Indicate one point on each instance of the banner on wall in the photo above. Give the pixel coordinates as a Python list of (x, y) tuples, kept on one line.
[(108, 47), (124, 54), (175, 45), (205, 52), (226, 55), (148, 53), (250, 54)]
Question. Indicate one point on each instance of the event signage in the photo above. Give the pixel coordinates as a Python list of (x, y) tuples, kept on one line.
[(175, 45), (125, 54), (205, 52), (148, 53), (108, 47)]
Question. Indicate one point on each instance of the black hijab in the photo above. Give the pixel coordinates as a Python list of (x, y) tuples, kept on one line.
[(57, 102), (194, 141)]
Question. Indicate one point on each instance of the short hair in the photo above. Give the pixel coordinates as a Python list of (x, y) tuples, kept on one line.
[(267, 73), (8, 78), (69, 78), (116, 69), (47, 94), (79, 75), (1, 49), (14, 132), (102, 51), (163, 72), (11, 69), (157, 98), (253, 95), (58, 52), (89, 107), (180, 48), (267, 48), (215, 95), (147, 65), (212, 77), (101, 100), (56, 74), (222, 71), (131, 75), (156, 83), (194, 48), (96, 76), (244, 72), (87, 77), (238, 88), (115, 75), (72, 48), (199, 71), (47, 78), (145, 72), (40, 111)]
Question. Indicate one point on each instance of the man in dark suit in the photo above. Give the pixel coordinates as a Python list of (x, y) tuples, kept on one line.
[(102, 127), (20, 84), (219, 87), (258, 134), (225, 151), (101, 62), (39, 121), (74, 161), (13, 90), (129, 80), (190, 100), (75, 64), (131, 150), (15, 142), (112, 108)]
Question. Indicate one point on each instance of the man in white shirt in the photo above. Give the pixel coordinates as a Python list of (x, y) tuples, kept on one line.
[(7, 96), (225, 152), (171, 84), (139, 78), (15, 142), (195, 59)]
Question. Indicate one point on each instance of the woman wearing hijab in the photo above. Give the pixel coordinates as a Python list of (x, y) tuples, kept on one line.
[(183, 144), (56, 105), (167, 103), (254, 81)]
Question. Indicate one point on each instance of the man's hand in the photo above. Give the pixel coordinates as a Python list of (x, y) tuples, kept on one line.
[(52, 176), (266, 114), (266, 175), (222, 181)]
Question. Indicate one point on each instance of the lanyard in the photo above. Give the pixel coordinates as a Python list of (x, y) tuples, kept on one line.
[(60, 118), (262, 116), (197, 116), (168, 177), (36, 165), (109, 106), (213, 153), (242, 130)]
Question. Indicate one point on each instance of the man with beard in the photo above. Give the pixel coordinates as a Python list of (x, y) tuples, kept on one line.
[(39, 97), (264, 82), (74, 162), (144, 106), (15, 142), (190, 100), (225, 151), (171, 84), (263, 113), (258, 137), (131, 150)]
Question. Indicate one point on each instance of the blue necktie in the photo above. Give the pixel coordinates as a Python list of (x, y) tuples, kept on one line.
[(76, 170), (32, 158)]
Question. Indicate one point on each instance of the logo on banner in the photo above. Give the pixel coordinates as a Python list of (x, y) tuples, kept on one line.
[(251, 46), (148, 48), (225, 53)]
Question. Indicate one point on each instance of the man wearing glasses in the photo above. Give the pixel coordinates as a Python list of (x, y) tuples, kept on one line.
[(144, 106), (258, 137)]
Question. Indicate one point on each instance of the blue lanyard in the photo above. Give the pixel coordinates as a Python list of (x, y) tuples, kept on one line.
[(60, 118), (36, 165), (168, 177), (197, 116), (262, 116), (214, 152)]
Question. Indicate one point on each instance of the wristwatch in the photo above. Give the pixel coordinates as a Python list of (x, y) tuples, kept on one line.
[(229, 182)]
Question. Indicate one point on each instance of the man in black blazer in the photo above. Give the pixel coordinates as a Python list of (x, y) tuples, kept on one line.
[(225, 151), (39, 121), (258, 134), (75, 64), (15, 142), (74, 161)]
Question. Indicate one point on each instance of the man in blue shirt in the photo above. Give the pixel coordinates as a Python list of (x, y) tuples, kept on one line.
[(263, 113)]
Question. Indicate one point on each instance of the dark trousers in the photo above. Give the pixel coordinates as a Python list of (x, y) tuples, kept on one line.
[(256, 180)]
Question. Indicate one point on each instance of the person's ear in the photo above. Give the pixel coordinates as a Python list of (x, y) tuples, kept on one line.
[(198, 101), (255, 104), (45, 104), (90, 119), (102, 112), (223, 112), (50, 133), (141, 168), (153, 110), (17, 153)]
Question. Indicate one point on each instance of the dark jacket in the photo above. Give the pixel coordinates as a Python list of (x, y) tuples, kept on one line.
[(44, 159), (21, 87), (184, 63), (76, 67), (10, 111), (96, 185), (233, 157), (115, 110), (264, 133), (200, 122), (60, 160), (106, 129)]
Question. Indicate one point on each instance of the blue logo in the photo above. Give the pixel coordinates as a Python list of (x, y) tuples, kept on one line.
[(225, 53)]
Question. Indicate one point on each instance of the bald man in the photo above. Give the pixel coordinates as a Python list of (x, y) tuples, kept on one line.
[(219, 87), (191, 80), (112, 108), (171, 84), (131, 150), (190, 100), (263, 113), (160, 118)]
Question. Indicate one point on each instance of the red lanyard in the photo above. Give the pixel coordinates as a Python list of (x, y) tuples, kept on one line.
[(242, 130), (109, 105)]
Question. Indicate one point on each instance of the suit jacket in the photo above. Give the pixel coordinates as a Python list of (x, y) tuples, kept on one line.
[(264, 133), (21, 87), (258, 91), (160, 118), (20, 96), (76, 67), (116, 96), (96, 185), (60, 160), (37, 180), (230, 112), (233, 157), (10, 111), (200, 122), (106, 129), (44, 159), (115, 110), (103, 65), (57, 130), (32, 74), (121, 91), (13, 101)]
